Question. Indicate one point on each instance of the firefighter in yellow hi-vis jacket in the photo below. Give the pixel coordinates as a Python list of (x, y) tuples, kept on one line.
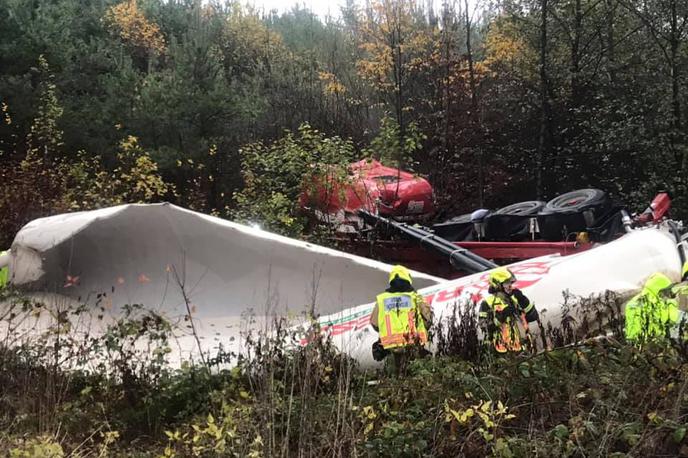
[(401, 317), (680, 290), (652, 313), (502, 311), (4, 271)]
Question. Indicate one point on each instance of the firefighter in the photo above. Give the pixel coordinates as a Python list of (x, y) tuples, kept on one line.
[(652, 313), (401, 317), (4, 271), (680, 290), (501, 312)]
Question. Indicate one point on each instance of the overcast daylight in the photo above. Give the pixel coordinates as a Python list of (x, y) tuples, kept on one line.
[(324, 8), (408, 228)]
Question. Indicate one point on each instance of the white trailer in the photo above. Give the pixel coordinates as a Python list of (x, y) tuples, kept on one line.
[(185, 264)]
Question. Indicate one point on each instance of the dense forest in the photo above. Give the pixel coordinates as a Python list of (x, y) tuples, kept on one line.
[(224, 109), (220, 108)]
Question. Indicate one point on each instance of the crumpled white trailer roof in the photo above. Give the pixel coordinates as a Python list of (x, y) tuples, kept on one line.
[(235, 277), (131, 253)]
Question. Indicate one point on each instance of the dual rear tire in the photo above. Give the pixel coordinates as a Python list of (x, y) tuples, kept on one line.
[(557, 219)]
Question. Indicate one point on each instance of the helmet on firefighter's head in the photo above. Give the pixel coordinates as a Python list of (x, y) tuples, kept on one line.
[(401, 272), (684, 272), (501, 276), (656, 282)]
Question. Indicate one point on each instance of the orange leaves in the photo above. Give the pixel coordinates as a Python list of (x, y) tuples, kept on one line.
[(331, 84), (377, 66), (506, 50), (127, 21), (396, 44)]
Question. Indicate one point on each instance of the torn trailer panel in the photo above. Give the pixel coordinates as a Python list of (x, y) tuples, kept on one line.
[(179, 263), (146, 253)]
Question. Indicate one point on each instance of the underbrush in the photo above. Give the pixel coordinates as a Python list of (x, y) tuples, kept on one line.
[(115, 394)]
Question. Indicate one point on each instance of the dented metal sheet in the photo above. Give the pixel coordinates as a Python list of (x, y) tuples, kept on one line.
[(621, 266), (150, 254)]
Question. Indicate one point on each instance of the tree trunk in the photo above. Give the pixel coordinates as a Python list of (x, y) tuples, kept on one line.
[(544, 118), (443, 157), (474, 107), (575, 55), (677, 136), (399, 70), (611, 52)]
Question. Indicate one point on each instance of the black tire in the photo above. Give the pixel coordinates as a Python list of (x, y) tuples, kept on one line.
[(572, 212), (577, 201), (529, 207), (512, 223)]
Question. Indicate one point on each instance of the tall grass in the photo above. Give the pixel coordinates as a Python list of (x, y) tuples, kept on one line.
[(67, 390)]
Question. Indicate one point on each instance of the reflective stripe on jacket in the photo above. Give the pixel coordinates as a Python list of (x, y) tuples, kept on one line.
[(400, 320), (506, 335)]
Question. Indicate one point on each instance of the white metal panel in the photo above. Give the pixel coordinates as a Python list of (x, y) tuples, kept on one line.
[(229, 270), (621, 266)]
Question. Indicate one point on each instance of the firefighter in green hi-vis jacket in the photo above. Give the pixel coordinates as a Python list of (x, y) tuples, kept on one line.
[(401, 317), (652, 313)]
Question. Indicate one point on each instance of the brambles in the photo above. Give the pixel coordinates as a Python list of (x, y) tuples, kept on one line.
[(114, 393)]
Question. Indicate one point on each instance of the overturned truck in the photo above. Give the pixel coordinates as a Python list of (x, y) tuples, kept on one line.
[(215, 278)]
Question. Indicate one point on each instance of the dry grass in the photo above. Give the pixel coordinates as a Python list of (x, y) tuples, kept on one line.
[(111, 395)]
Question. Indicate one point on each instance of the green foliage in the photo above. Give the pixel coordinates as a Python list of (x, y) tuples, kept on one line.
[(113, 394), (35, 178), (45, 180), (228, 436), (93, 388), (276, 175), (393, 149), (41, 447), (45, 138), (134, 180), (187, 78), (112, 102)]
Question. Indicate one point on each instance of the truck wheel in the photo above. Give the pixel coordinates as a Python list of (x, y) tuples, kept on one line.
[(579, 200), (530, 207), (571, 213), (512, 223)]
